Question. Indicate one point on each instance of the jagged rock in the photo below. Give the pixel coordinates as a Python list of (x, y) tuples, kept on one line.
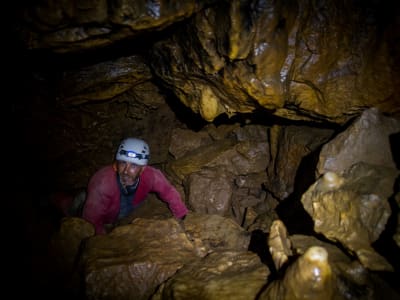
[(236, 157), (365, 140), (290, 145), (108, 80), (279, 244), (352, 279), (220, 275), (349, 203), (210, 190), (233, 57), (344, 209), (185, 140), (71, 27), (65, 250), (216, 233), (309, 277), (199, 158), (277, 56), (66, 242), (132, 260)]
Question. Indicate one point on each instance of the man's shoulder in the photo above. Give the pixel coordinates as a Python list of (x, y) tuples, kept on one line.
[(104, 172), (152, 172), (104, 181), (151, 169)]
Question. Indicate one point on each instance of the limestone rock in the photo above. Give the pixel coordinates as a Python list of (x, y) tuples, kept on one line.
[(365, 140), (279, 244), (346, 209), (132, 260), (309, 277), (220, 275)]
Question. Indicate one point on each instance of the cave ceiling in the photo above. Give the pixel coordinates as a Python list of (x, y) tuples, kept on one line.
[(320, 61)]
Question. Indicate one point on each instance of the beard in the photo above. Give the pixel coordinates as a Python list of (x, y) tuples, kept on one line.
[(127, 180)]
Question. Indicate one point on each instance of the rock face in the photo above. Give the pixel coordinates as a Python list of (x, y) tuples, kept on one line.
[(366, 140), (354, 218), (128, 263), (299, 60), (286, 56), (73, 26), (349, 202), (208, 279), (310, 277)]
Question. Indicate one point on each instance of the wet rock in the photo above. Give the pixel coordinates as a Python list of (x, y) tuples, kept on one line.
[(345, 210), (365, 140), (309, 277), (279, 244), (220, 275), (134, 259)]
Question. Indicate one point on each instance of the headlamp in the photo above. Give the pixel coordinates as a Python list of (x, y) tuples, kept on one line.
[(133, 154)]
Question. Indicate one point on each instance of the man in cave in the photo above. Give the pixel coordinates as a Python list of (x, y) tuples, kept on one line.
[(114, 191)]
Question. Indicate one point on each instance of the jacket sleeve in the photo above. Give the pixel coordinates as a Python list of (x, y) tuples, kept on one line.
[(94, 210), (169, 194), (98, 202)]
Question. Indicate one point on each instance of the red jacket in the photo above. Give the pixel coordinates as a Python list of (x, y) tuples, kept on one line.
[(103, 195)]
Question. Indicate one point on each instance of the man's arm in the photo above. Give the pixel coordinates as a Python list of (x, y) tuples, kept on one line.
[(93, 211), (169, 194), (101, 206)]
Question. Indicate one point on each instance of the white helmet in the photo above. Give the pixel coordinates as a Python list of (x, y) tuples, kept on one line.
[(133, 150)]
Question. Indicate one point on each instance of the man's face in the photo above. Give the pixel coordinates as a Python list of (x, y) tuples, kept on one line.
[(128, 172)]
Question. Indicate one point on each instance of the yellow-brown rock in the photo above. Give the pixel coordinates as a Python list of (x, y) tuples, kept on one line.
[(309, 278)]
